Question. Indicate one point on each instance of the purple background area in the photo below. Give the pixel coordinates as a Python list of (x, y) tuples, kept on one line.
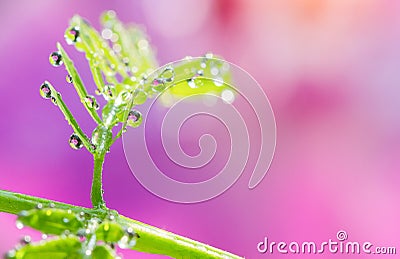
[(330, 69)]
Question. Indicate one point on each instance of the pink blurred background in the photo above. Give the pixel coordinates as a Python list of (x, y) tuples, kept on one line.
[(330, 69)]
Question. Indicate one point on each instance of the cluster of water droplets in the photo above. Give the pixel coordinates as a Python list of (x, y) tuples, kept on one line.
[(92, 232)]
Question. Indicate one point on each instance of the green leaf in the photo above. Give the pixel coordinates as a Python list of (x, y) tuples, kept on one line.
[(109, 231), (103, 252), (51, 221), (61, 248)]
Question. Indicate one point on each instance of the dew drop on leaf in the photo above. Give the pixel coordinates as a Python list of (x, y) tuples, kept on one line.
[(54, 100), (45, 91), (134, 118), (56, 59), (39, 206), (109, 91), (75, 141), (168, 74), (26, 240), (72, 35), (140, 97), (91, 102), (191, 83), (68, 78), (19, 224)]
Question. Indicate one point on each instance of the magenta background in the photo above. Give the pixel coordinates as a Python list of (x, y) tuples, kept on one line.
[(331, 70)]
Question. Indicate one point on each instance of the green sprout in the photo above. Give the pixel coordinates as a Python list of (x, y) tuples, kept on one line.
[(126, 74)]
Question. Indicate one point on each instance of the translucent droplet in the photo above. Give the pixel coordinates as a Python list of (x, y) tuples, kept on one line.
[(227, 96), (23, 213), (44, 236), (72, 35), (168, 74), (134, 118), (56, 59), (65, 220), (123, 97), (209, 55), (191, 83), (140, 97), (214, 71), (19, 224), (68, 78), (75, 142), (109, 91), (11, 254), (39, 206), (158, 85), (199, 73), (126, 242), (26, 240), (106, 34), (218, 81), (91, 102), (88, 252), (45, 91), (52, 205), (53, 100)]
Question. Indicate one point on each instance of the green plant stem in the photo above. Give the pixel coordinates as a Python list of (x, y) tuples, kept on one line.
[(152, 240), (97, 184)]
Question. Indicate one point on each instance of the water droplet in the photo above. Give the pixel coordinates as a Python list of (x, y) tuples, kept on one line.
[(191, 83), (125, 60), (117, 48), (214, 71), (26, 240), (91, 102), (134, 118), (56, 59), (45, 91), (19, 224), (218, 81), (126, 242), (88, 252), (158, 85), (123, 97), (199, 73), (209, 55), (72, 35), (168, 74), (75, 142), (11, 254), (23, 213), (68, 78), (109, 91), (54, 100), (65, 220), (44, 236), (39, 206), (52, 205), (227, 96), (106, 34), (140, 97)]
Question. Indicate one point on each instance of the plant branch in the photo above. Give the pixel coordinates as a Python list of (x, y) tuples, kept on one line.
[(70, 118), (152, 239), (96, 195), (78, 84)]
